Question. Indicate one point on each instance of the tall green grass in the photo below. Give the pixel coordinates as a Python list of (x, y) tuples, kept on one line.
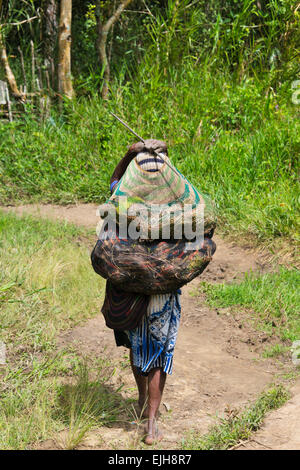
[(272, 300), (46, 281), (239, 142), (47, 285)]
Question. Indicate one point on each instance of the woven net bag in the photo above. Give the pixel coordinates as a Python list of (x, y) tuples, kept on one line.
[(153, 265)]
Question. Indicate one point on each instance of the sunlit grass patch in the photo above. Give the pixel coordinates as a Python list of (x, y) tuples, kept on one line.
[(273, 300), (40, 398), (46, 285), (46, 280), (276, 350), (28, 396), (86, 404)]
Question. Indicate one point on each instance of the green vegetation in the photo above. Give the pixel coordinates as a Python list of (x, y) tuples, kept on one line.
[(228, 139), (238, 425), (219, 82), (46, 281), (215, 81), (46, 285), (276, 350), (274, 297)]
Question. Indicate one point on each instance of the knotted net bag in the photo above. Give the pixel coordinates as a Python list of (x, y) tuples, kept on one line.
[(154, 263)]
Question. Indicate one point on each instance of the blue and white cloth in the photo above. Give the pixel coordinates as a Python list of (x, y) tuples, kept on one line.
[(153, 341)]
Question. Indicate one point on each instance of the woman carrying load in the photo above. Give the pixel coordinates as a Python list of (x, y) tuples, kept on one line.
[(155, 317)]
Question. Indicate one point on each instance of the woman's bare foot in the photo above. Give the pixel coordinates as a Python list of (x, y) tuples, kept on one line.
[(153, 434)]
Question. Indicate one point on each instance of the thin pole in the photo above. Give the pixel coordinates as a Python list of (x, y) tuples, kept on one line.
[(10, 116), (126, 125), (32, 67), (22, 66), (142, 140)]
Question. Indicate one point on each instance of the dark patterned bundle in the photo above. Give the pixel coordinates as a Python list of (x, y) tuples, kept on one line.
[(154, 265), (150, 267)]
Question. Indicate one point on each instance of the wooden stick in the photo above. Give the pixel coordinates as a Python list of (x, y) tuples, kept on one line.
[(32, 66), (40, 77), (239, 444), (22, 67), (21, 22), (48, 82), (157, 154), (142, 140), (126, 125), (8, 104)]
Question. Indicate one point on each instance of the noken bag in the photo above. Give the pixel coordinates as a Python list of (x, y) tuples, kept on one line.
[(153, 266), (167, 190)]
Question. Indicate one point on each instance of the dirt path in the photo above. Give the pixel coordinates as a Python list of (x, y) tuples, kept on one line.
[(281, 429), (216, 363)]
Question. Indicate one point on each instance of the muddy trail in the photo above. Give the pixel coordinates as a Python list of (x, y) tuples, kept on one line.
[(217, 362)]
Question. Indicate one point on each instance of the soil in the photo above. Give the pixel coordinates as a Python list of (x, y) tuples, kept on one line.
[(217, 363)]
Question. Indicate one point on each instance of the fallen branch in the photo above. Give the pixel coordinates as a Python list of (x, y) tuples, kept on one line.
[(241, 443), (21, 22)]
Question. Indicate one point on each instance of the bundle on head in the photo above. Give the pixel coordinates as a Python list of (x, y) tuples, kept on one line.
[(159, 261)]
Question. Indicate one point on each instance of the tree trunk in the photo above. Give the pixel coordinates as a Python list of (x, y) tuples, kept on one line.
[(5, 63), (102, 33), (8, 72), (64, 50), (50, 37), (98, 29)]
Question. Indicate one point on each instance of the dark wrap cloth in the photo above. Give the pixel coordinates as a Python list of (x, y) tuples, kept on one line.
[(123, 310)]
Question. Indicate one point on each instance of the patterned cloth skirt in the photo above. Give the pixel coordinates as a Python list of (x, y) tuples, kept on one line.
[(153, 341)]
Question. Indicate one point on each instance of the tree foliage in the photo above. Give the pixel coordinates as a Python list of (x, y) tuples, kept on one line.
[(252, 36)]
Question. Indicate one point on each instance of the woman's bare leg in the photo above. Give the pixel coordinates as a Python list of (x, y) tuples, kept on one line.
[(156, 383), (141, 382)]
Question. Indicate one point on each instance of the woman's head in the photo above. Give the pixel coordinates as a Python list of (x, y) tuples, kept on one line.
[(150, 147)]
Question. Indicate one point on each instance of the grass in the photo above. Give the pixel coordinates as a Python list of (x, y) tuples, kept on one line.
[(47, 285), (272, 301), (56, 397), (88, 404), (276, 350), (237, 141), (46, 281), (238, 425)]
